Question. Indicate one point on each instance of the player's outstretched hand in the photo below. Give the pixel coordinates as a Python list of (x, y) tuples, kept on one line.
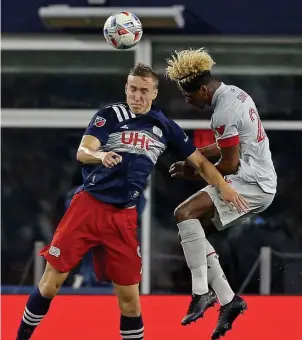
[(183, 170), (233, 199), (110, 159)]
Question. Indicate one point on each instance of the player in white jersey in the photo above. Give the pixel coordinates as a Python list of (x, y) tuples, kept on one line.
[(246, 163)]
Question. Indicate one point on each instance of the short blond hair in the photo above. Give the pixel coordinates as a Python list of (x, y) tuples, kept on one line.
[(144, 71), (185, 65)]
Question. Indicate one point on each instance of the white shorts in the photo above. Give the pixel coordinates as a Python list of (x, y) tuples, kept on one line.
[(257, 199)]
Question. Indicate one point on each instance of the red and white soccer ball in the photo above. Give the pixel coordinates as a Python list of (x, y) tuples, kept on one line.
[(123, 30)]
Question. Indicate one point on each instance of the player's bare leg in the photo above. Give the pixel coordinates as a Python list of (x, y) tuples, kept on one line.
[(194, 223), (39, 301), (131, 323)]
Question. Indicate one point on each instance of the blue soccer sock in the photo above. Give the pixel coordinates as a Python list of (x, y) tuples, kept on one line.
[(36, 308), (132, 328)]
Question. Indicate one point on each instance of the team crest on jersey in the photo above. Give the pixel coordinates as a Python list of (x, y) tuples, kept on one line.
[(220, 129), (99, 121), (157, 131)]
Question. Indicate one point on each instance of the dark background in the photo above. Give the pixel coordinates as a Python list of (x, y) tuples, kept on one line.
[(39, 167)]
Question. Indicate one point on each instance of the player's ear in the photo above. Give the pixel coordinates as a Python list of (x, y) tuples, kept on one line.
[(126, 85), (155, 93), (203, 89)]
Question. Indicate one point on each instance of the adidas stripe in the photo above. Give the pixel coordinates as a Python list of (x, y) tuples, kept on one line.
[(122, 113)]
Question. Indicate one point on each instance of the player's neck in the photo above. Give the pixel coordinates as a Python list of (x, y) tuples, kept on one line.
[(213, 86), (146, 111), (142, 113)]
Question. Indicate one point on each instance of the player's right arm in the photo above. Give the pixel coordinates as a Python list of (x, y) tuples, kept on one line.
[(182, 169), (96, 134), (88, 153), (227, 145), (210, 151), (183, 146)]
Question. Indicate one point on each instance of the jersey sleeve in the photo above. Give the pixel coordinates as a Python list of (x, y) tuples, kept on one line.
[(225, 126), (101, 125), (179, 142)]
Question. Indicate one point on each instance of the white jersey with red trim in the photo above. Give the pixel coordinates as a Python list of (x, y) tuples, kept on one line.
[(236, 121)]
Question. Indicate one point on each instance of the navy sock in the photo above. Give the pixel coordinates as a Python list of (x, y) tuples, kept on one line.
[(132, 328), (36, 308)]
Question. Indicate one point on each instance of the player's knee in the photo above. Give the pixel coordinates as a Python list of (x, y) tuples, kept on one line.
[(197, 207), (51, 282), (48, 290), (130, 306), (183, 213), (128, 298)]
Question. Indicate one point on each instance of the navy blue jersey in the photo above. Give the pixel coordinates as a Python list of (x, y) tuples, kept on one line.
[(140, 139)]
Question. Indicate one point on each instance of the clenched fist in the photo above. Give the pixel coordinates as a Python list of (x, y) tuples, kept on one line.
[(109, 159)]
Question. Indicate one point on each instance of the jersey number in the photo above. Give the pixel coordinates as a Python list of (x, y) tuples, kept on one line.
[(255, 116)]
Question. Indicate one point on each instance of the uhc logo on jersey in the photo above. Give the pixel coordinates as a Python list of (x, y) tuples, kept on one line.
[(136, 142), (137, 139), (99, 121)]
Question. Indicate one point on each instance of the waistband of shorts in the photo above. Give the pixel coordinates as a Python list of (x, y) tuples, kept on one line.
[(127, 205)]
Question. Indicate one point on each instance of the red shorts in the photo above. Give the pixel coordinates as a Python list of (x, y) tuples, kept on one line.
[(110, 232)]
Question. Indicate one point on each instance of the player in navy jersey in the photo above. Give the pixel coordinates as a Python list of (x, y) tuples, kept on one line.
[(118, 151)]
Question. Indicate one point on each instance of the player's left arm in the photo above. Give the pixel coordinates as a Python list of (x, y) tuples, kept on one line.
[(227, 139), (229, 161), (210, 151), (212, 176), (206, 170)]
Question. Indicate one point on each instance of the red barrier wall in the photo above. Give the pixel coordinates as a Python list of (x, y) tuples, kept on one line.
[(97, 317)]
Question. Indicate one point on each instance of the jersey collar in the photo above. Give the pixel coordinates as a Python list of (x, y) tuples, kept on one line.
[(220, 89)]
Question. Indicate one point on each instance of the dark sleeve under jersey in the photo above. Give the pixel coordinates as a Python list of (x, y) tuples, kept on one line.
[(101, 125), (179, 142)]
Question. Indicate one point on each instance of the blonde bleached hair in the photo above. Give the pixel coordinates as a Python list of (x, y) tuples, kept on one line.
[(185, 65)]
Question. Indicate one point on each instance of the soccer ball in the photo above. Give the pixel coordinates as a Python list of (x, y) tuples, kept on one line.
[(123, 30)]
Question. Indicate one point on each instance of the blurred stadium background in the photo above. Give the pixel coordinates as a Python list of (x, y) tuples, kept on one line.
[(57, 70)]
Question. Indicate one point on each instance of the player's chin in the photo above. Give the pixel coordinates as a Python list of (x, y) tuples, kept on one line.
[(136, 108)]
